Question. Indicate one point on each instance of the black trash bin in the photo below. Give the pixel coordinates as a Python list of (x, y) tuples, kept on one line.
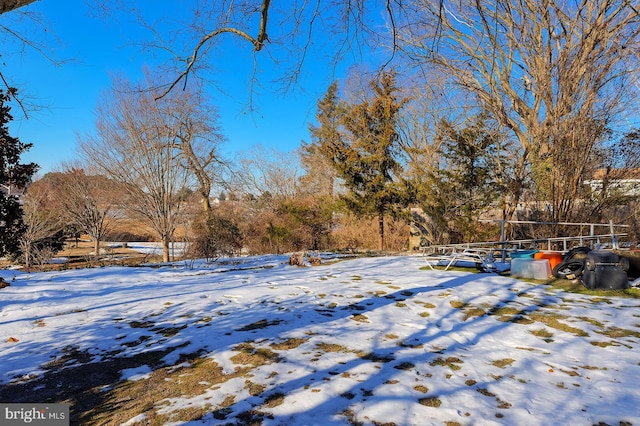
[(605, 270)]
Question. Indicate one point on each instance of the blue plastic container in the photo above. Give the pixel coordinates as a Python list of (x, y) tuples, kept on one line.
[(523, 254)]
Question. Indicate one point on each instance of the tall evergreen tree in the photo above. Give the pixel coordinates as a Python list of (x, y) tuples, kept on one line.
[(317, 156), (465, 185), (365, 158), (13, 177)]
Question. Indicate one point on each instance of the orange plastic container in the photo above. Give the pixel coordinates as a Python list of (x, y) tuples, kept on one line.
[(553, 257)]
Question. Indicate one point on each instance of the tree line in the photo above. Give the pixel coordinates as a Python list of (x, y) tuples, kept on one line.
[(351, 186), (496, 109)]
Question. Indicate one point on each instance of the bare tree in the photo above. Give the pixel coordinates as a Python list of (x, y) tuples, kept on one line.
[(135, 145), (87, 201), (285, 34), (41, 222), (193, 119), (268, 172), (35, 34), (555, 73)]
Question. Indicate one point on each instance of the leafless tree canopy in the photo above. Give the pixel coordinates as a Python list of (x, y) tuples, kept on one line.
[(268, 173), (41, 221), (555, 73), (284, 33), (9, 5), (38, 37), (135, 146), (86, 201)]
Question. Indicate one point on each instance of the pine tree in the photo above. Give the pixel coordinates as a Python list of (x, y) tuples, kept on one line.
[(465, 186), (13, 176), (365, 158), (317, 156)]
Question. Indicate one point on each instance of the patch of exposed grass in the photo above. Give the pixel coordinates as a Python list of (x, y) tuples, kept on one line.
[(290, 343), (411, 345), (503, 363), (130, 398), (553, 320), (401, 305), (421, 388), (431, 401), (603, 344), (333, 347), (360, 318), (507, 314), (457, 304), (616, 332), (592, 367), (404, 366), (592, 321), (168, 331), (575, 286), (274, 399), (451, 362), (470, 311), (503, 310), (571, 373), (501, 403), (377, 358), (249, 355), (253, 388), (259, 325), (141, 324), (544, 334)]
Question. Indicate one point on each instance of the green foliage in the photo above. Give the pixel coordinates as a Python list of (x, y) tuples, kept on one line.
[(311, 216), (215, 237), (465, 185), (13, 175), (361, 142), (276, 235)]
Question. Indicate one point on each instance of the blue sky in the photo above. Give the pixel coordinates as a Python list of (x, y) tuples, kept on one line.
[(97, 48)]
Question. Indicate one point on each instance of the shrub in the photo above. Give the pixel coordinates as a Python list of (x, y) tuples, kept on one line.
[(215, 236)]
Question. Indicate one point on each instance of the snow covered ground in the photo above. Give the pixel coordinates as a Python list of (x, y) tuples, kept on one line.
[(361, 341)]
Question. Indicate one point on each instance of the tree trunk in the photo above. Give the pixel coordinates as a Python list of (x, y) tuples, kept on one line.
[(96, 247), (206, 204), (27, 255), (165, 249), (381, 231)]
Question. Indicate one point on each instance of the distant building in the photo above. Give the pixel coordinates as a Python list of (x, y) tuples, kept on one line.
[(10, 190), (627, 181)]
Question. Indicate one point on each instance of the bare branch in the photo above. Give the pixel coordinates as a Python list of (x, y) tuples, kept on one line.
[(9, 5)]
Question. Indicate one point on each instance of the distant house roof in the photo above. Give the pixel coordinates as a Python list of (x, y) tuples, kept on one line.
[(617, 174), (625, 180)]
